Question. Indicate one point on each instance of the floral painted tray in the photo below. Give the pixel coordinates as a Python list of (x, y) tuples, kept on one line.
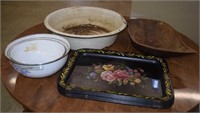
[(117, 77)]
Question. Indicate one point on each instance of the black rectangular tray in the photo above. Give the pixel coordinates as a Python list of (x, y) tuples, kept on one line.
[(112, 76)]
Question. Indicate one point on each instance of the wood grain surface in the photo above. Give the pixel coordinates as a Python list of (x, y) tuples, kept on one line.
[(41, 95), (157, 38)]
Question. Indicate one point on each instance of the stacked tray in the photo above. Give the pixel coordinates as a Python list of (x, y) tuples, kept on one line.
[(112, 76)]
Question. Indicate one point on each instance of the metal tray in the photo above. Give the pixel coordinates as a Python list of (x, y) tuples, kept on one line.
[(112, 76)]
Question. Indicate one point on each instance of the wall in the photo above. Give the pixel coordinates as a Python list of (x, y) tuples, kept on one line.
[(181, 15)]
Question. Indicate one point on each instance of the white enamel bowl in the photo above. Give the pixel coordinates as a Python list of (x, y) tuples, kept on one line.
[(83, 15), (38, 55)]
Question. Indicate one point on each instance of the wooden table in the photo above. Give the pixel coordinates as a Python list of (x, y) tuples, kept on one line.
[(41, 95)]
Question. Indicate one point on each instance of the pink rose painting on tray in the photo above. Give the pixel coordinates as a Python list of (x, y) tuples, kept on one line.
[(116, 74)]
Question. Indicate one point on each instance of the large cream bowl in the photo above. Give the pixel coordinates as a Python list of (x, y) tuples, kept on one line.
[(71, 17), (38, 55)]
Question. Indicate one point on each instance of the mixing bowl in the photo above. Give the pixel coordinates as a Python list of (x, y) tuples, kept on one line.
[(38, 55), (86, 27)]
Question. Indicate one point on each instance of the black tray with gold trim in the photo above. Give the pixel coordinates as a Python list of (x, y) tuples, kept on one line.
[(112, 76)]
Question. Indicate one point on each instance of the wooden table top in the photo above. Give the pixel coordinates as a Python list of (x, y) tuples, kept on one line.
[(41, 95)]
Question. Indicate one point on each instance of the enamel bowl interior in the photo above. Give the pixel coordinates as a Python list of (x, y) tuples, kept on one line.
[(36, 51), (85, 22), (38, 55)]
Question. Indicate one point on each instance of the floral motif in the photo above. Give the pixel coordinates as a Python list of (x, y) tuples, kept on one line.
[(108, 76), (121, 74), (108, 67), (117, 74), (21, 70)]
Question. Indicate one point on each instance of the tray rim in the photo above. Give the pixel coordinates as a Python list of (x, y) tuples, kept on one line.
[(71, 62)]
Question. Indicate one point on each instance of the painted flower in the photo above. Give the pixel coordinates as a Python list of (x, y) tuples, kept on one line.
[(98, 67), (93, 74), (108, 67), (116, 74), (125, 81), (135, 71), (129, 70), (141, 70), (121, 74), (137, 74), (108, 76), (137, 80), (132, 83)]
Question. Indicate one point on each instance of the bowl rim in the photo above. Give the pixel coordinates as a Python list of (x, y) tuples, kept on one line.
[(49, 37), (114, 32)]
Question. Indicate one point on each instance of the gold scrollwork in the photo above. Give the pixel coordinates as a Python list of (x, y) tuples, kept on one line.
[(71, 61)]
